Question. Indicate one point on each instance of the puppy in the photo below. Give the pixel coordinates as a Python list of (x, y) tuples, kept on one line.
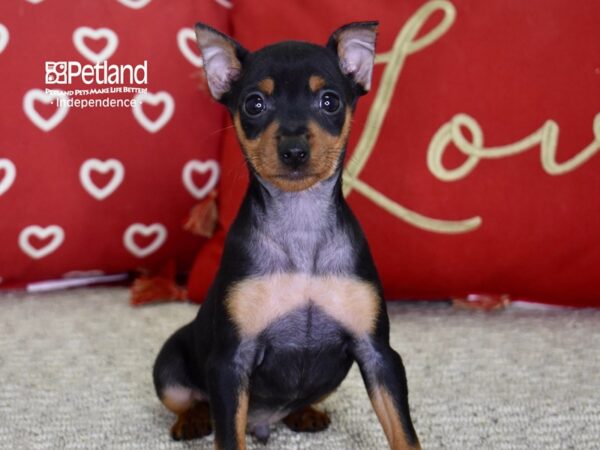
[(297, 298)]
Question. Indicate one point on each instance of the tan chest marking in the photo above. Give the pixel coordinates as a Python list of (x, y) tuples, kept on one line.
[(255, 303)]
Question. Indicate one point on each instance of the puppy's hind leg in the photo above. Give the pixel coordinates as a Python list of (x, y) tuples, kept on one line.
[(174, 386)]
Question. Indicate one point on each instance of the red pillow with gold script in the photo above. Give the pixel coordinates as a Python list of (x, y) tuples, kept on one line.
[(473, 162)]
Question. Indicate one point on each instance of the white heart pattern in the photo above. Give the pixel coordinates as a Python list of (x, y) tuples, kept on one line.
[(45, 124), (134, 4), (10, 173), (57, 233), (183, 36), (145, 230), (112, 41), (199, 166), (153, 126), (225, 3), (35, 2), (4, 36), (102, 167)]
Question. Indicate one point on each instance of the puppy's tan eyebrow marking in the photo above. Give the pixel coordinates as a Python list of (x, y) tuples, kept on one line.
[(266, 86), (316, 82)]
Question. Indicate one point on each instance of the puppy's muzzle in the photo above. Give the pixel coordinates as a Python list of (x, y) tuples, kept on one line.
[(294, 152)]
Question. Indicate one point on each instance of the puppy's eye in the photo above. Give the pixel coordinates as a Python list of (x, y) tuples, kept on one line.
[(330, 102), (254, 105)]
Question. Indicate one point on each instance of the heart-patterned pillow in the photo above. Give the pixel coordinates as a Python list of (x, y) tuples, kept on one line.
[(100, 169)]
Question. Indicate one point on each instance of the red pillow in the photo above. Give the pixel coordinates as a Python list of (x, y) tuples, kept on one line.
[(105, 188), (457, 170)]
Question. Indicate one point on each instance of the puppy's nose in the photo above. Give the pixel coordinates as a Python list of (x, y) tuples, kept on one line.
[(294, 157), (294, 152)]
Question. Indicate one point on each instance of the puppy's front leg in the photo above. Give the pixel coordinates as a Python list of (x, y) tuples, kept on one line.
[(228, 391), (385, 378)]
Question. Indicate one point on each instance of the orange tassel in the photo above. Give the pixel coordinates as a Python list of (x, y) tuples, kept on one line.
[(481, 302), (203, 217), (160, 287)]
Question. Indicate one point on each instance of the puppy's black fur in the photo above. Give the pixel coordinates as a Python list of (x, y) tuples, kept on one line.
[(297, 298)]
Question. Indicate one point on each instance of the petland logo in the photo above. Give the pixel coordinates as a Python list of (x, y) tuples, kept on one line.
[(64, 72)]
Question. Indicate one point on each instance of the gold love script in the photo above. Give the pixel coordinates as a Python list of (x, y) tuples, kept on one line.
[(406, 43)]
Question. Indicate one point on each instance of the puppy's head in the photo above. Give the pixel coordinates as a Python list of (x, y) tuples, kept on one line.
[(291, 102)]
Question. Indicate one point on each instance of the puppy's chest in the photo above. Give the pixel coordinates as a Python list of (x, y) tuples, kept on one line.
[(318, 252), (259, 304), (302, 265), (300, 233)]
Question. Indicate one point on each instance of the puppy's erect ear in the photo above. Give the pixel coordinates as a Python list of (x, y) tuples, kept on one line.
[(222, 59), (354, 44)]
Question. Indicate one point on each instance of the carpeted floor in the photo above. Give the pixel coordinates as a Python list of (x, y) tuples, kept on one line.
[(75, 372)]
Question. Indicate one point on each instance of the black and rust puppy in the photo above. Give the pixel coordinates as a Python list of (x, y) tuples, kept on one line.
[(297, 298)]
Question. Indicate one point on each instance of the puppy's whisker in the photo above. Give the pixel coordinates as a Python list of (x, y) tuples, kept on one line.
[(220, 130)]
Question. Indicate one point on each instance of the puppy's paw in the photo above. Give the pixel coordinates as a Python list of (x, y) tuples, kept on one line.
[(193, 423), (307, 419)]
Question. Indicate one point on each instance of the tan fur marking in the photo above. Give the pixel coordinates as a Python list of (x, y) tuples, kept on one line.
[(241, 420), (262, 151), (193, 423), (316, 82), (255, 303), (390, 421), (267, 86), (325, 148), (307, 419), (325, 152)]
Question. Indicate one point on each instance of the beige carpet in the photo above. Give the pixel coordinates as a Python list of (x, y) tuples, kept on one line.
[(75, 372)]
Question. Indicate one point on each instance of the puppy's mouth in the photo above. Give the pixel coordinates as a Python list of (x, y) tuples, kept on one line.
[(295, 175), (294, 180)]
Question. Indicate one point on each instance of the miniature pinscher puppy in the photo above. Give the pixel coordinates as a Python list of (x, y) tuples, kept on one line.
[(297, 298)]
